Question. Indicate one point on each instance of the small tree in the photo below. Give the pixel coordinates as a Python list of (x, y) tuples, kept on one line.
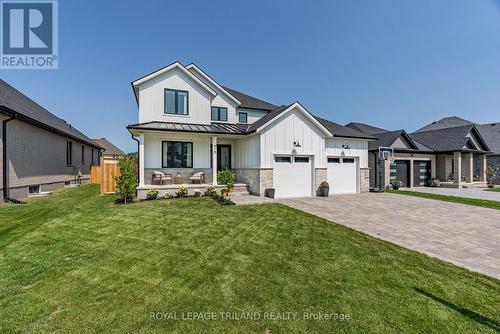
[(126, 183), (491, 172)]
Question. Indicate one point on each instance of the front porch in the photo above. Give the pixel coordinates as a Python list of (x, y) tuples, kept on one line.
[(461, 169)]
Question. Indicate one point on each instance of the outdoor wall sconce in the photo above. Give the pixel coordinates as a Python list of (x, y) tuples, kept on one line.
[(296, 143), (345, 146)]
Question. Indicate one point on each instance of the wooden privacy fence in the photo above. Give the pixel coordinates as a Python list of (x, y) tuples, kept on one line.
[(104, 173)]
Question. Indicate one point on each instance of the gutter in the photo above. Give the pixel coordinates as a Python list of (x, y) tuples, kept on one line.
[(138, 157), (6, 188)]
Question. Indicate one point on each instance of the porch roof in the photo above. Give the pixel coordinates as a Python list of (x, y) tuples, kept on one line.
[(217, 128)]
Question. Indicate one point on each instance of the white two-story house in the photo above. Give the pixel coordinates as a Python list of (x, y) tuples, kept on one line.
[(189, 123)]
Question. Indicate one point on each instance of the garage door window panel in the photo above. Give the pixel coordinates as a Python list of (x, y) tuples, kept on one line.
[(283, 159)]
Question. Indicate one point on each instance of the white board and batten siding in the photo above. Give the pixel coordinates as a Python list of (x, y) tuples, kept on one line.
[(152, 95), (357, 148), (278, 138), (247, 152)]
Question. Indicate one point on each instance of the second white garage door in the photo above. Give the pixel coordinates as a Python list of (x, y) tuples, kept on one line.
[(292, 176), (343, 175)]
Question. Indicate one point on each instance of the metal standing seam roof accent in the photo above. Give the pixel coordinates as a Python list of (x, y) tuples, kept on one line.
[(221, 128)]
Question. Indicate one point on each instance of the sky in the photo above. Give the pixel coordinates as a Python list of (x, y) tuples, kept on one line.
[(390, 63)]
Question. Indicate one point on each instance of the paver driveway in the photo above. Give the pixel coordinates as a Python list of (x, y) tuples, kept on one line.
[(466, 235)]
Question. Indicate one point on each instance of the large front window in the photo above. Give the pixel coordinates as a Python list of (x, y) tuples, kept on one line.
[(176, 102), (219, 114), (176, 154)]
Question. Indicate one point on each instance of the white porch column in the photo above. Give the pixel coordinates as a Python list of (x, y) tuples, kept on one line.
[(482, 168), (469, 173), (457, 162), (214, 160), (411, 174), (141, 160)]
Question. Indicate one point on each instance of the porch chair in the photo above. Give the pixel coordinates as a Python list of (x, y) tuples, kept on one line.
[(160, 177), (198, 177)]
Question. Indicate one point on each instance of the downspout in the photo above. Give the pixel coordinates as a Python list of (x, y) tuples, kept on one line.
[(138, 158), (6, 190)]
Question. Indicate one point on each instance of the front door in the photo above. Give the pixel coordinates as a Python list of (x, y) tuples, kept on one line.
[(223, 157)]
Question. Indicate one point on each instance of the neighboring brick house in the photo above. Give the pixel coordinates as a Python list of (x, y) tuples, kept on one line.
[(39, 152)]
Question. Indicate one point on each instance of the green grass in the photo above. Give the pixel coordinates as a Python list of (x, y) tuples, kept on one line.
[(76, 262), (461, 200), (497, 189)]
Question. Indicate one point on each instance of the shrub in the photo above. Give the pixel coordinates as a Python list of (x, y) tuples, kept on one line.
[(126, 182), (395, 184), (324, 184), (210, 191), (152, 194), (225, 176), (491, 173), (434, 183), (182, 192), (168, 196), (197, 193)]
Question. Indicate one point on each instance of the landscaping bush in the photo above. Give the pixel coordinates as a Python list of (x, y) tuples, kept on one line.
[(395, 184), (225, 176), (197, 193), (168, 196), (152, 194), (491, 173), (211, 192), (182, 192), (434, 183), (126, 183)]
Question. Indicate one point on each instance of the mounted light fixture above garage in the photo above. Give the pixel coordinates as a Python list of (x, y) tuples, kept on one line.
[(296, 143), (345, 146)]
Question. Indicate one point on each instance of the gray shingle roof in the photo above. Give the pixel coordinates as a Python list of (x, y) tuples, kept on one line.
[(266, 118), (31, 111), (109, 148), (387, 138), (447, 139), (443, 123), (342, 131), (491, 135), (366, 128), (250, 102)]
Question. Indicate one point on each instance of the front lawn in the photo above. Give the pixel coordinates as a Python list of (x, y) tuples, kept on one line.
[(76, 262), (461, 200), (496, 189)]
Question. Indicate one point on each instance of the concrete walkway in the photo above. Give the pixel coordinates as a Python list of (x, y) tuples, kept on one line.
[(465, 235), (478, 193)]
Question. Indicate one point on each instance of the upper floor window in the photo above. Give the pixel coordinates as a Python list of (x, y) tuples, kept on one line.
[(176, 102), (219, 114), (243, 117), (69, 153)]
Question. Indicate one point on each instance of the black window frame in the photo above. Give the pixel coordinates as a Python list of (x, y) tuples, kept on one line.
[(83, 154), (69, 153), (333, 160), (183, 164), (92, 156), (246, 117), (176, 111), (283, 159), (349, 160), (218, 114), (305, 160)]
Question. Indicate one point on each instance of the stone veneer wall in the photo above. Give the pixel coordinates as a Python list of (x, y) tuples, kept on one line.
[(320, 175), (185, 172), (251, 177), (266, 179), (364, 180), (441, 167)]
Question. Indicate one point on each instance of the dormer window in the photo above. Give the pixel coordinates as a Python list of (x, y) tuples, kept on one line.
[(176, 102), (219, 114)]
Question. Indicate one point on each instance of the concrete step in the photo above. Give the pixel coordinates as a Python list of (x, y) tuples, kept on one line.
[(240, 189)]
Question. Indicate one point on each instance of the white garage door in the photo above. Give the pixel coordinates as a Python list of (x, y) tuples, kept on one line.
[(343, 175), (292, 176)]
